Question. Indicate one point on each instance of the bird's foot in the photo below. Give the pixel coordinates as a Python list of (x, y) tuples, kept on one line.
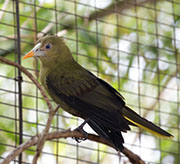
[(79, 139), (80, 129)]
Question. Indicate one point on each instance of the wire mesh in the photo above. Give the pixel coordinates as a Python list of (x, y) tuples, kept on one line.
[(133, 45)]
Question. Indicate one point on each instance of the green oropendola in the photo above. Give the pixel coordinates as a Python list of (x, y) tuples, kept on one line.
[(82, 94)]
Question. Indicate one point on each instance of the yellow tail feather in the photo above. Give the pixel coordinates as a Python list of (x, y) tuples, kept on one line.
[(150, 130)]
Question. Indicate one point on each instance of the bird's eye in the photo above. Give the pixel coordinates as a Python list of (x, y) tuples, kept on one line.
[(48, 46)]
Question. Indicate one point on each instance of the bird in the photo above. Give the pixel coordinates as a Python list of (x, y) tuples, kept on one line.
[(83, 94)]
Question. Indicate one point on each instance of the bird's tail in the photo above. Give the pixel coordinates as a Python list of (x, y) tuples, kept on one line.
[(137, 120), (111, 135)]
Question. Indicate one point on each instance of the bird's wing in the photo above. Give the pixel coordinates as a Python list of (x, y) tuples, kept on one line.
[(93, 98)]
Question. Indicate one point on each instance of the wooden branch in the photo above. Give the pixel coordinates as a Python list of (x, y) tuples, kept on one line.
[(49, 26), (28, 74), (51, 111), (69, 24), (118, 7), (42, 137), (4, 6), (135, 159)]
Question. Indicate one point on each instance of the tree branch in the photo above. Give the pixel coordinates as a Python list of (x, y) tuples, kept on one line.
[(3, 8), (28, 74), (135, 159), (51, 111), (118, 8), (42, 137), (112, 8)]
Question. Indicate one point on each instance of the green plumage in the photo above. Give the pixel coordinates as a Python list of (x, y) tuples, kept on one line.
[(82, 94)]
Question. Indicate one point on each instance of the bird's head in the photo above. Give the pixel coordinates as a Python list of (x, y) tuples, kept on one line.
[(50, 49)]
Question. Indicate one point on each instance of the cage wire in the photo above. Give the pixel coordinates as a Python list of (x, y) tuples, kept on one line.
[(132, 44)]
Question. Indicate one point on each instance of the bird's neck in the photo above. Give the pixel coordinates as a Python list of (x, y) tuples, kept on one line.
[(57, 67)]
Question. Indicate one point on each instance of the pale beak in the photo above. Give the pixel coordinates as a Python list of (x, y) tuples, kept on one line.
[(34, 52)]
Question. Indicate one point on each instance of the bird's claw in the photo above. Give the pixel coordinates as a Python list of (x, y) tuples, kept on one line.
[(80, 129), (79, 139)]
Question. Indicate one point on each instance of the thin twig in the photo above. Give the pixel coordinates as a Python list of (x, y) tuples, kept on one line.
[(112, 8), (135, 159), (24, 70), (51, 111), (3, 8), (118, 7), (49, 26), (42, 137)]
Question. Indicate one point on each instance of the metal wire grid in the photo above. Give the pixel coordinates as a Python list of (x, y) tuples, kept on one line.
[(38, 109)]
